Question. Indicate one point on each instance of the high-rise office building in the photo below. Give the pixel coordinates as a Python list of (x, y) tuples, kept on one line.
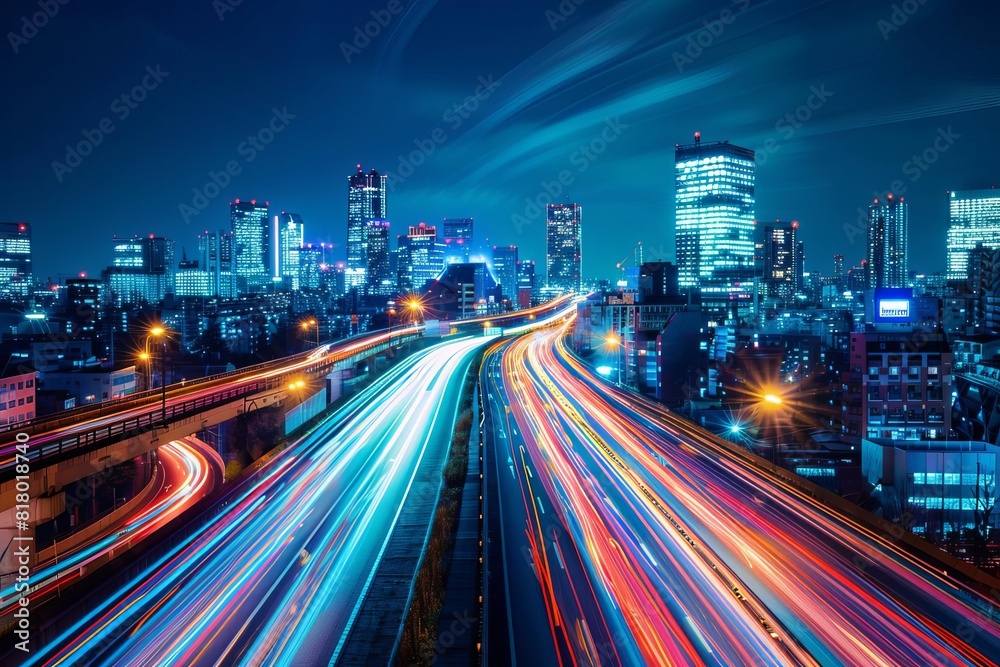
[(973, 218), (505, 271), (839, 276), (421, 257), (252, 246), (564, 247), (215, 256), (15, 261), (84, 305), (141, 272), (782, 260), (457, 239), (378, 272), (888, 238), (290, 237), (714, 205), (366, 201), (526, 286), (192, 280), (311, 266)]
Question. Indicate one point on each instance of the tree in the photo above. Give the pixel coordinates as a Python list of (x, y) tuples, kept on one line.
[(984, 501)]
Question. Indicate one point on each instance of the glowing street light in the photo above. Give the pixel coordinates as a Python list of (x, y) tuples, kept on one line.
[(307, 324), (158, 331)]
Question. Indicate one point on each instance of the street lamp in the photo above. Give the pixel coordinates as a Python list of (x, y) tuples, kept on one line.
[(144, 359), (160, 333), (415, 306), (306, 324), (615, 341)]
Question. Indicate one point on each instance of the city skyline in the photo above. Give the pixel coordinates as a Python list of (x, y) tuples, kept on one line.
[(489, 174)]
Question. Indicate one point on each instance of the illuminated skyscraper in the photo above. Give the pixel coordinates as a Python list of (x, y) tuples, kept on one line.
[(839, 277), (527, 289), (564, 247), (888, 238), (290, 234), (457, 239), (15, 261), (215, 255), (380, 281), (714, 216), (252, 246), (505, 271), (142, 271), (782, 260), (974, 217), (311, 267), (365, 202), (421, 257)]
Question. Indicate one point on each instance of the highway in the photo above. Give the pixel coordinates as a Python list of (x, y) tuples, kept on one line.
[(149, 409), (66, 433), (187, 471), (277, 578), (630, 537)]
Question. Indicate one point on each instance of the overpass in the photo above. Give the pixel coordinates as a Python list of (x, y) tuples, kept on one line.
[(40, 458)]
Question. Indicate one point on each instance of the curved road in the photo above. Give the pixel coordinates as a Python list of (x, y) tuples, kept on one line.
[(650, 545)]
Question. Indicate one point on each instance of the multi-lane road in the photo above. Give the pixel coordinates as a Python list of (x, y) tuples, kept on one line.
[(630, 537), (278, 577), (187, 471)]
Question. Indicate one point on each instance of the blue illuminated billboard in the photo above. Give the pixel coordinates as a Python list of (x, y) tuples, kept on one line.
[(894, 304)]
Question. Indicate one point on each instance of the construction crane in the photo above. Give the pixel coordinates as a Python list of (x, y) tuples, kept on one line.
[(635, 255)]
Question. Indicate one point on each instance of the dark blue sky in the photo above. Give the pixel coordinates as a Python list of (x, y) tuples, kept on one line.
[(559, 85)]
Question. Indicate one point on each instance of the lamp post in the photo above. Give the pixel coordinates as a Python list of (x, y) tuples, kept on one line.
[(306, 324), (774, 402), (615, 341), (144, 359), (160, 333), (415, 307)]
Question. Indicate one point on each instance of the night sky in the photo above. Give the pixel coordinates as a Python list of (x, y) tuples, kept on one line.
[(559, 82)]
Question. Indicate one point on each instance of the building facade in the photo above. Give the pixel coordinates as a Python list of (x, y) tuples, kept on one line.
[(898, 386), (251, 246), (783, 260), (380, 280), (215, 256), (458, 235), (888, 242), (564, 247), (290, 233), (15, 261), (715, 203), (366, 201), (17, 398), (973, 219), (421, 257), (505, 271), (142, 271)]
